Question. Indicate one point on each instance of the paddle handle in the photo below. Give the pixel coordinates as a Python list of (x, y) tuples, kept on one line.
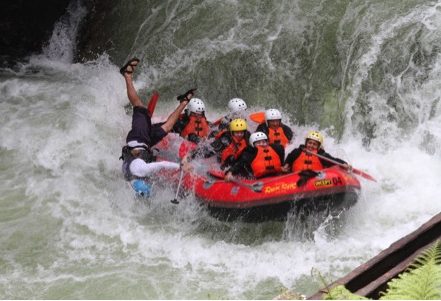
[(175, 200), (324, 158), (217, 122), (256, 186), (240, 183), (354, 170), (152, 103)]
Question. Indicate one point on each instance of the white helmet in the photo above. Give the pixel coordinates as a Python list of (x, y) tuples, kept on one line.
[(196, 105), (236, 105), (257, 136), (272, 114)]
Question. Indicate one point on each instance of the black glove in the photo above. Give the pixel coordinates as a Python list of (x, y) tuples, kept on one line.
[(213, 133), (184, 97), (193, 138), (228, 162)]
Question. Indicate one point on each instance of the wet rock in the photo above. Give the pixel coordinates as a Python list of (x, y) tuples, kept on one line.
[(25, 26)]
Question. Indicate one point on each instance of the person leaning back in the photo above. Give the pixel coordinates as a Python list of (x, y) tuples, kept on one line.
[(138, 159)]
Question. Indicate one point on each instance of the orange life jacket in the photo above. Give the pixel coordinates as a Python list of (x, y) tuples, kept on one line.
[(277, 136), (306, 161), (266, 162), (235, 148), (196, 125)]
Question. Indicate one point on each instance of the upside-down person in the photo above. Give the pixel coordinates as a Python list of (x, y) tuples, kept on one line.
[(258, 160), (277, 132), (192, 124), (138, 159), (303, 160)]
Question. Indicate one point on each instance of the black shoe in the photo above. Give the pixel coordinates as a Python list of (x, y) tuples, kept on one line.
[(130, 63), (184, 97)]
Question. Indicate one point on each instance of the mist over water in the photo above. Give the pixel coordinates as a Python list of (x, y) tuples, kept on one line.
[(70, 225)]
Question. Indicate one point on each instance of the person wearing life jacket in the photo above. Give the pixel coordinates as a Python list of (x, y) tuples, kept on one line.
[(192, 124), (277, 132), (258, 160), (299, 160), (236, 110), (227, 145), (138, 158)]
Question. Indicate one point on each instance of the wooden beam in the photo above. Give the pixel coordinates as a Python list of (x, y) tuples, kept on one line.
[(370, 278)]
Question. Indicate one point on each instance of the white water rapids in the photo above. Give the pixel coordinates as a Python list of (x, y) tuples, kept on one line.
[(71, 228)]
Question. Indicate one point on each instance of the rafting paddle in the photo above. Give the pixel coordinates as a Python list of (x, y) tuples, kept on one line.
[(258, 117), (152, 103), (256, 186), (175, 200), (354, 170)]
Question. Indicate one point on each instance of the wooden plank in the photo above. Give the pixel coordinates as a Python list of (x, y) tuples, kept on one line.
[(371, 277), (378, 285)]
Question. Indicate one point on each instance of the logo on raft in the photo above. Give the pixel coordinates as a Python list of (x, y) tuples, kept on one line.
[(328, 182), (321, 183), (280, 188)]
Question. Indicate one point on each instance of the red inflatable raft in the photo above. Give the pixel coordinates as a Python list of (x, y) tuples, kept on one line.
[(331, 191)]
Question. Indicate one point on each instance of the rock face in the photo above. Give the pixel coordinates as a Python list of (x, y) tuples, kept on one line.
[(106, 28), (93, 29), (25, 26)]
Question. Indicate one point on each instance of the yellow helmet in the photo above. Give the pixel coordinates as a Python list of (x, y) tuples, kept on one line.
[(314, 135), (237, 125)]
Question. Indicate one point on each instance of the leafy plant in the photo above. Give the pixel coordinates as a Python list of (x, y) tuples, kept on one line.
[(420, 281), (340, 292)]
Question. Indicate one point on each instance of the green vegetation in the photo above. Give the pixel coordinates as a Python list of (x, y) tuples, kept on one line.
[(420, 281)]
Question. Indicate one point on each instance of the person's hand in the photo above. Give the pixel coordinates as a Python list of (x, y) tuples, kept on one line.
[(185, 159), (285, 168), (185, 165), (347, 167), (187, 95), (228, 177), (190, 93)]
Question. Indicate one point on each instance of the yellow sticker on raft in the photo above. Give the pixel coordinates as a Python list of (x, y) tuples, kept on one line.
[(324, 182)]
